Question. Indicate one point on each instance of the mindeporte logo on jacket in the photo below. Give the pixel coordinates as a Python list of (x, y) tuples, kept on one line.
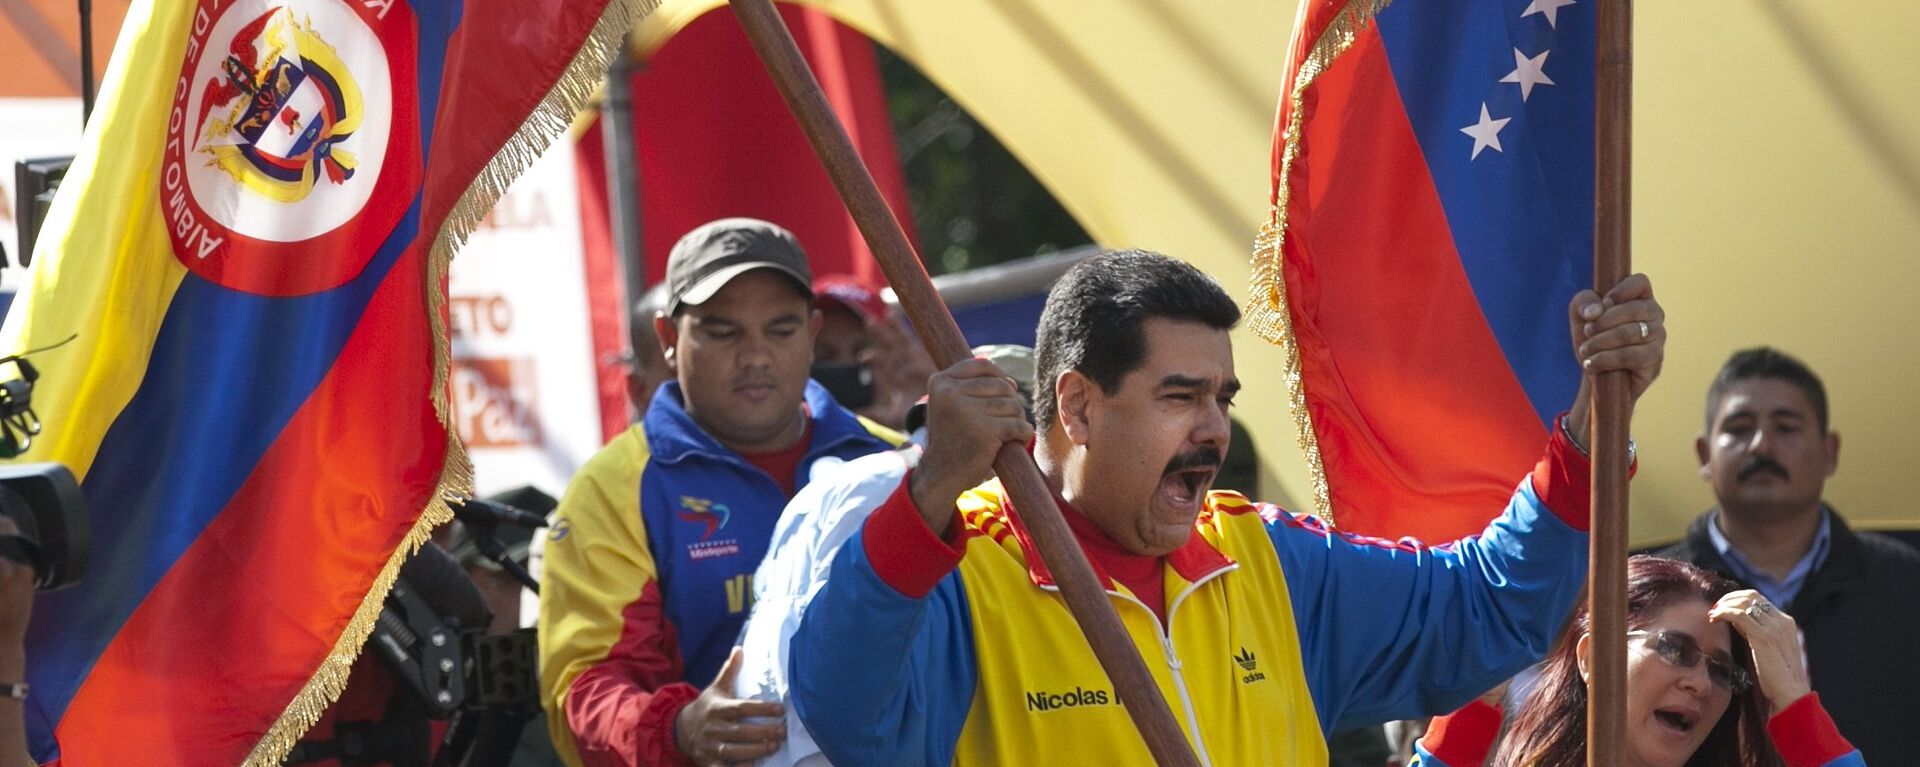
[(709, 518)]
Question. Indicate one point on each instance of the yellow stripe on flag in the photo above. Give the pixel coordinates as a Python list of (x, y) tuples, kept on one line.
[(106, 276)]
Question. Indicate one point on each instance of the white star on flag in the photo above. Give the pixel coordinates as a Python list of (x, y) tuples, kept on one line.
[(1485, 133), (1549, 7), (1528, 72)]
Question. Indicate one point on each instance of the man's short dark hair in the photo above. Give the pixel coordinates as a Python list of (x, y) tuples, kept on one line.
[(1767, 362), (1094, 317)]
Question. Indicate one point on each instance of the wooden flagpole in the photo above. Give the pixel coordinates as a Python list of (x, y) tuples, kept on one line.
[(1612, 406), (1084, 595)]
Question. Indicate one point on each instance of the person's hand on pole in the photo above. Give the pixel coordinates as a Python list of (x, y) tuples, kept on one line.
[(1774, 639), (714, 729), (1625, 330), (972, 409)]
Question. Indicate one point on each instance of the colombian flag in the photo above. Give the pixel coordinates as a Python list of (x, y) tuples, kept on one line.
[(1433, 215), (252, 249)]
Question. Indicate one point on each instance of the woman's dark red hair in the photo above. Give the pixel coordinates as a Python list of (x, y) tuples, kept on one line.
[(1551, 729)]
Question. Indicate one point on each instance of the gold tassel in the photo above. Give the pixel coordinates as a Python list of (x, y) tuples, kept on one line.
[(1267, 311), (548, 120)]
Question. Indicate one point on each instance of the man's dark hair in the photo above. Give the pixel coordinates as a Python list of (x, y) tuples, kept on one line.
[(1094, 315), (1767, 362)]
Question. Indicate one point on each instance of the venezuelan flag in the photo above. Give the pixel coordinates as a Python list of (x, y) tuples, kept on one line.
[(252, 249), (1433, 215)]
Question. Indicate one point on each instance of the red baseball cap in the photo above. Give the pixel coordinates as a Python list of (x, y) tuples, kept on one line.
[(848, 292)]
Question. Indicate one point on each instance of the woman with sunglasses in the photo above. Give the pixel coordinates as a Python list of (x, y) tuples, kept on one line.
[(1714, 679)]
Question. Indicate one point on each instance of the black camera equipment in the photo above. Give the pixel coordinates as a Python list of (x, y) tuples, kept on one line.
[(18, 423), (483, 519), (504, 690), (850, 383), (34, 181), (45, 504), (431, 636), (42, 499)]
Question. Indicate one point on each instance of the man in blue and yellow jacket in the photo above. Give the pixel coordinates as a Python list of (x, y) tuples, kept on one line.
[(649, 563), (939, 638)]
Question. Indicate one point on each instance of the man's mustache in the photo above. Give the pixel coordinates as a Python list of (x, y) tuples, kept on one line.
[(1759, 463), (1203, 458)]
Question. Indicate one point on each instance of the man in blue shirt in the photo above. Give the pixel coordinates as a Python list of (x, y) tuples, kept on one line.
[(1767, 451)]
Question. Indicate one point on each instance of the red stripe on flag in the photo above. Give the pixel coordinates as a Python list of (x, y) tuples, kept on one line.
[(237, 626), (1377, 289), (500, 69)]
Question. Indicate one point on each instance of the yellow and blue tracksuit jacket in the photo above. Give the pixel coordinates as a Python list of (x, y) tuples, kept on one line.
[(920, 650), (648, 573)]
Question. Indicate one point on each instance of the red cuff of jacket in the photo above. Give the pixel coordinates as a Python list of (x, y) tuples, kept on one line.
[(1465, 736), (1564, 478), (903, 552), (1805, 734), (658, 745)]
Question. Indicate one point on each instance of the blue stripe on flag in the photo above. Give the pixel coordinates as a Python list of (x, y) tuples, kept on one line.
[(1521, 217)]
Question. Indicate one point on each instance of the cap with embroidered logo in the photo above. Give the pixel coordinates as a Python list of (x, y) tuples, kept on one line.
[(708, 258)]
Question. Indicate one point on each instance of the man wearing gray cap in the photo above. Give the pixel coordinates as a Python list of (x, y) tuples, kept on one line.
[(649, 562)]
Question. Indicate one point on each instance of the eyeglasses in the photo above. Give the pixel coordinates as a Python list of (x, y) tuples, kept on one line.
[(1683, 652)]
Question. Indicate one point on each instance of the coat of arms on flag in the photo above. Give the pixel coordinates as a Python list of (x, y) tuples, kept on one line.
[(272, 120), (279, 108)]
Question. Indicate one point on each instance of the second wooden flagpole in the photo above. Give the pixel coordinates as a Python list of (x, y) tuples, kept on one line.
[(1084, 595), (1612, 405)]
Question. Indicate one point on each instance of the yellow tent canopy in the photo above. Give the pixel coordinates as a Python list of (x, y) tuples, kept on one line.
[(1776, 180)]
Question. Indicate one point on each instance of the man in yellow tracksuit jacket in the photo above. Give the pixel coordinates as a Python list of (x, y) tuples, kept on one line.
[(938, 637)]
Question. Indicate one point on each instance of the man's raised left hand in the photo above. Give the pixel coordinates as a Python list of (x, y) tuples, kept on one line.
[(1624, 331)]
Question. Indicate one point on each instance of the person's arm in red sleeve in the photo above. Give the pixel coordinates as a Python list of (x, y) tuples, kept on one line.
[(1806, 736), (903, 552), (1463, 738), (609, 669), (622, 709)]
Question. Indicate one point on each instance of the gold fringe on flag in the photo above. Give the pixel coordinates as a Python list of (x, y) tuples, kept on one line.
[(1267, 311), (548, 120)]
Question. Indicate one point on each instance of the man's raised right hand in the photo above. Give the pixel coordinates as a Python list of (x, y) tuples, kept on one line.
[(972, 410)]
